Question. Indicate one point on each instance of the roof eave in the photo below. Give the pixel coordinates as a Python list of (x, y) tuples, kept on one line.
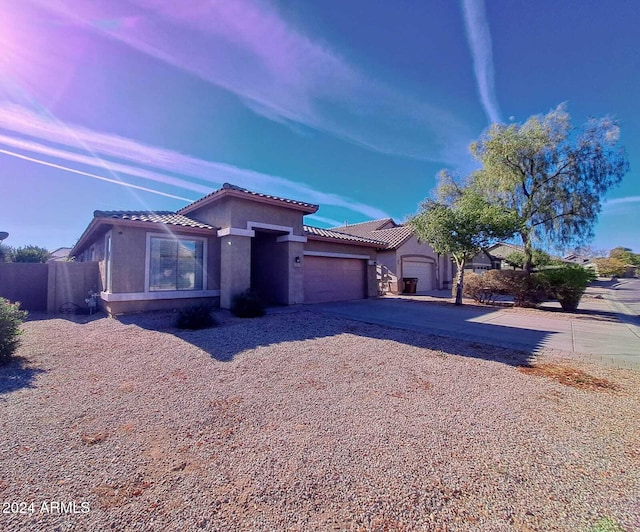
[(228, 192), (98, 221), (375, 245), (85, 236)]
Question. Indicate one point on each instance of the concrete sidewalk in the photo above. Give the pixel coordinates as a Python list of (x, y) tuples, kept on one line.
[(595, 334)]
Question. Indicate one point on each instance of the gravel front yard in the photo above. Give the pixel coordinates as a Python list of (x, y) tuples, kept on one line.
[(296, 421)]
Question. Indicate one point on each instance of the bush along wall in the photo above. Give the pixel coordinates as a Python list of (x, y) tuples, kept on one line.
[(11, 318)]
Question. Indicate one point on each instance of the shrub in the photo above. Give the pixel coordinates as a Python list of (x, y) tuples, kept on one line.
[(472, 286), (483, 288), (566, 284), (11, 317), (247, 305), (196, 317), (527, 290)]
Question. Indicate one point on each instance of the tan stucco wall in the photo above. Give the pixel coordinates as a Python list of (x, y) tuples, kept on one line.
[(127, 307), (128, 245), (236, 212), (335, 247), (235, 267)]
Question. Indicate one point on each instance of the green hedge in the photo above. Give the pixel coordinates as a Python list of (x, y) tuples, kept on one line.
[(11, 318)]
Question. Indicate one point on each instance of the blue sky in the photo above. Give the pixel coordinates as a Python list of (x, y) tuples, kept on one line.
[(354, 105)]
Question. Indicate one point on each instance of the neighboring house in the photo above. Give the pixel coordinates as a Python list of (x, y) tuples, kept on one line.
[(60, 254), (587, 262), (221, 245), (403, 256), (493, 257)]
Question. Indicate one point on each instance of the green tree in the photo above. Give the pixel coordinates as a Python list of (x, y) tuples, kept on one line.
[(6, 253), (625, 255), (610, 267), (459, 222), (31, 254), (552, 174)]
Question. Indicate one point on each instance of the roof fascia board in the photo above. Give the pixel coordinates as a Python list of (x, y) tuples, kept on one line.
[(99, 221), (343, 241), (228, 192)]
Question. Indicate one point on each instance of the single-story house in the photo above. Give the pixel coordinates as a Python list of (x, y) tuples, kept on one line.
[(60, 254), (493, 257), (221, 245), (403, 256), (579, 259)]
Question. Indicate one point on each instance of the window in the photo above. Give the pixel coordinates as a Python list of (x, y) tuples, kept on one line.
[(175, 264)]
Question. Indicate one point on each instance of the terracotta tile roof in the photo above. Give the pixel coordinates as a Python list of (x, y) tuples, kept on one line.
[(394, 236), (160, 217), (308, 207), (363, 228), (330, 233)]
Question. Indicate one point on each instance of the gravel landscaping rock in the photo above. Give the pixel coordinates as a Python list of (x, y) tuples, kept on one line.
[(296, 421)]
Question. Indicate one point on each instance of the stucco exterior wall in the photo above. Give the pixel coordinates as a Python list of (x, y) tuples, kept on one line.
[(128, 245), (387, 268), (236, 212), (336, 247), (235, 267), (243, 211), (216, 214), (127, 307)]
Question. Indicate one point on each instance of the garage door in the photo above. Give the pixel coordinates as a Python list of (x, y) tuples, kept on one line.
[(333, 279), (423, 271)]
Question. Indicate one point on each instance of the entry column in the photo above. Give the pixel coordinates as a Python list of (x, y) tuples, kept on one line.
[(294, 271), (235, 263)]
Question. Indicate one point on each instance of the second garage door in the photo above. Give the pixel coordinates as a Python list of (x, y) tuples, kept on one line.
[(423, 271), (334, 279)]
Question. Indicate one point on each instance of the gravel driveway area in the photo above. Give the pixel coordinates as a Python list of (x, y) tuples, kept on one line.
[(296, 421)]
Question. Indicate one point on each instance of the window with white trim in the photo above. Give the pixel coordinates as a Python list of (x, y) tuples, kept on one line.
[(176, 264)]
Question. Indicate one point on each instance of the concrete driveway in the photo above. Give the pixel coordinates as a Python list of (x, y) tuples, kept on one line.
[(595, 334)]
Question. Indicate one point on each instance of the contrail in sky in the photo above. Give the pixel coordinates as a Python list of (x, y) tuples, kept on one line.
[(209, 174), (618, 201), (479, 38), (94, 176)]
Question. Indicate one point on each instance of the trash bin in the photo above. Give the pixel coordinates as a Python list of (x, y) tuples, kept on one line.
[(409, 285)]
